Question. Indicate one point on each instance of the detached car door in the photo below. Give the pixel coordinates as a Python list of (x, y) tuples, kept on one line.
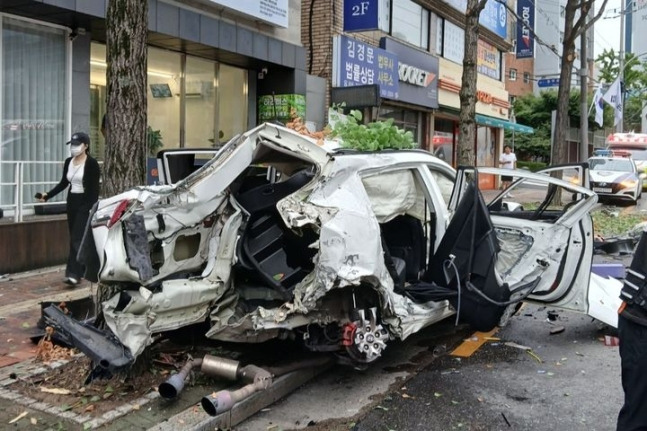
[(544, 232)]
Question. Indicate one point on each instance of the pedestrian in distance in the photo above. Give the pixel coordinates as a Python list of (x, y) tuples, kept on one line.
[(507, 160), (81, 177)]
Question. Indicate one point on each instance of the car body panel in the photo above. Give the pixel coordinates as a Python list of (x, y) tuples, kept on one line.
[(278, 236)]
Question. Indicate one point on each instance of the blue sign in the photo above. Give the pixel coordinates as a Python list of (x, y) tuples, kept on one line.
[(361, 15), (495, 17), (525, 29), (549, 82), (358, 63), (417, 72)]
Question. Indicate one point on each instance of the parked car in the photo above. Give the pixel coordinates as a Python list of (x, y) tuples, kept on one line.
[(615, 177), (279, 237)]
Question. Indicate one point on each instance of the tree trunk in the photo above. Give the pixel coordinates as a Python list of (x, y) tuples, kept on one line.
[(125, 159), (559, 153), (127, 29), (467, 94)]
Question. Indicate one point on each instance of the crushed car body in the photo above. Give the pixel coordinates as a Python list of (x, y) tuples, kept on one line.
[(279, 237)]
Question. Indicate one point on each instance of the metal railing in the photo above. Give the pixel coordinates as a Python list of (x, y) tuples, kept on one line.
[(16, 198)]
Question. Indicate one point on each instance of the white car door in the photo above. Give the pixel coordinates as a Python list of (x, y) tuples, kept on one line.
[(544, 232)]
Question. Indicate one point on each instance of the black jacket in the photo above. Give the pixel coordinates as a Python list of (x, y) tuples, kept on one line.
[(91, 174)]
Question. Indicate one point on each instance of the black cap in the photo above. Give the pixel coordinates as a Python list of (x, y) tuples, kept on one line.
[(79, 138)]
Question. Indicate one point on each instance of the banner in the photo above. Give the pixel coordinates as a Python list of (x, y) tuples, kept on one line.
[(488, 61), (525, 29)]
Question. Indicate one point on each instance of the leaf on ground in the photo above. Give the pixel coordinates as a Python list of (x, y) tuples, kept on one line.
[(25, 325), (107, 395), (136, 406), (65, 407), (407, 396), (17, 418), (386, 409), (33, 421), (89, 408), (454, 402), (95, 398), (109, 389), (56, 391), (437, 394)]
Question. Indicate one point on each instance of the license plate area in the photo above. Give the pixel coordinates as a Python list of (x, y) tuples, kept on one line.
[(602, 189)]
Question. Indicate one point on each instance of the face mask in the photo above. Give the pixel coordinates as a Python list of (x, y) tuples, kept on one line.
[(76, 150)]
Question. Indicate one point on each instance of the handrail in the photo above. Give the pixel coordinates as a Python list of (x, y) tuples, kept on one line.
[(19, 207)]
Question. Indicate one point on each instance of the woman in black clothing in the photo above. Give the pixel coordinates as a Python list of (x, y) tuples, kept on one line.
[(81, 174)]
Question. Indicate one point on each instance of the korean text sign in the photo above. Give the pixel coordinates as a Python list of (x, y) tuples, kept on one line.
[(359, 63)]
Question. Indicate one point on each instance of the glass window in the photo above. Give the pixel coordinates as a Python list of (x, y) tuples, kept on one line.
[(453, 42), (232, 102), (440, 26), (410, 22), (34, 94), (405, 119), (512, 74), (526, 77), (200, 106), (164, 72)]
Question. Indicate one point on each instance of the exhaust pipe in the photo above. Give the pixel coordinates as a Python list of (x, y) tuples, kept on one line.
[(223, 401), (174, 385)]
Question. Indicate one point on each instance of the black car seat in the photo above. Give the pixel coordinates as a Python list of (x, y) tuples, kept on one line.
[(277, 255)]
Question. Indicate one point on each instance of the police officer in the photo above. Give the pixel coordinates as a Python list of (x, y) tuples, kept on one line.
[(632, 331)]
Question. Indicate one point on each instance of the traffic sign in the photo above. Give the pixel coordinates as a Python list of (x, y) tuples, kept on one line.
[(549, 82)]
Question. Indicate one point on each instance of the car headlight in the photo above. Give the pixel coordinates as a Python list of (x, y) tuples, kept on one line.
[(629, 183)]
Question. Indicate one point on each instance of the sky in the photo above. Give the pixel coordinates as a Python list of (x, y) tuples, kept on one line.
[(607, 28)]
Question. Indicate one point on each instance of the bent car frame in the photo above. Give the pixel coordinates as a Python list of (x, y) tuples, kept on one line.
[(279, 237)]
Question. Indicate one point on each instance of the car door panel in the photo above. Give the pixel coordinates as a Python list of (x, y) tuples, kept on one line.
[(554, 240)]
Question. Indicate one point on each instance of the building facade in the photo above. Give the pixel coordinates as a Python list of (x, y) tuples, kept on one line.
[(416, 50), (211, 63)]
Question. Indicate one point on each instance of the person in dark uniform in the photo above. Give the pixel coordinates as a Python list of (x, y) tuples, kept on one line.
[(632, 331), (81, 177)]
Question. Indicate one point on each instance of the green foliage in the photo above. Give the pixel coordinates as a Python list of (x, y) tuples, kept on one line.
[(635, 83), (375, 136), (608, 224), (531, 166), (154, 141)]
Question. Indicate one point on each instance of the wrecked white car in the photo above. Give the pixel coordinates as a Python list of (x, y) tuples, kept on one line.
[(279, 237)]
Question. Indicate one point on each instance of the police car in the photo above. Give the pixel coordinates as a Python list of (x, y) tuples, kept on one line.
[(615, 176)]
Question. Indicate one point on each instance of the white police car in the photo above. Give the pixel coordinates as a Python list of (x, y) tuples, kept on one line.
[(615, 177)]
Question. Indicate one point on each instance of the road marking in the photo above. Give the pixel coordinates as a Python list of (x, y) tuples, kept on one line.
[(8, 310), (471, 345)]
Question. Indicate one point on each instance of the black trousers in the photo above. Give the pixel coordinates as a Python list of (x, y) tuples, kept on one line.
[(633, 360), (77, 217)]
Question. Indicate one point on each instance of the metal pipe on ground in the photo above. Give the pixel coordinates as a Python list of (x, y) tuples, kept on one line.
[(174, 385), (261, 379)]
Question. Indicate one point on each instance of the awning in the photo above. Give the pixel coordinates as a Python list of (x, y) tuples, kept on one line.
[(503, 124)]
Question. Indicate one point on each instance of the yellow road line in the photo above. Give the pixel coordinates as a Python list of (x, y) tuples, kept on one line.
[(471, 345)]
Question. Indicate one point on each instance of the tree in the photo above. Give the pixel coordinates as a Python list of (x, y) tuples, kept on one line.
[(573, 28), (635, 83), (126, 34), (125, 161), (467, 94)]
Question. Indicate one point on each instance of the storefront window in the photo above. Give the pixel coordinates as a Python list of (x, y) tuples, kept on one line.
[(200, 107), (232, 95), (444, 139), (410, 22), (164, 72), (33, 104), (405, 119), (215, 99)]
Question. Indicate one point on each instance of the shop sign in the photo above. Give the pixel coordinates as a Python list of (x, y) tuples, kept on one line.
[(488, 60), (279, 107), (357, 63), (525, 29), (494, 15), (484, 96), (274, 12), (365, 15), (417, 72)]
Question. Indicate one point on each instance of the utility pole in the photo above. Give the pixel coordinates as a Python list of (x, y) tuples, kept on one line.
[(621, 65), (584, 118)]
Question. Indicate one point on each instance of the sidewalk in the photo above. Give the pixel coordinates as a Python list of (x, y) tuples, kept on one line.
[(20, 298)]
